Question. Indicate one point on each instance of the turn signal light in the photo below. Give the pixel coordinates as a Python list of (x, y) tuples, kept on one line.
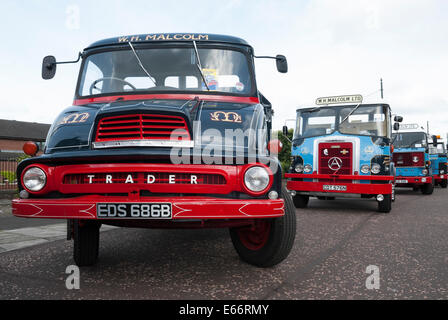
[(30, 148), (275, 146)]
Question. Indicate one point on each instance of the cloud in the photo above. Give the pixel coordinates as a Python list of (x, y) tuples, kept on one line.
[(345, 47), (333, 47)]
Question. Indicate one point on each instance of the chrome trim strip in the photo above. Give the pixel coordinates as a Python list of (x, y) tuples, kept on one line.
[(143, 143)]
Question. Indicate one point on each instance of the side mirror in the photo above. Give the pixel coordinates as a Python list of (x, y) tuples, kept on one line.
[(282, 63), (396, 126), (434, 141), (398, 118), (285, 131), (48, 67)]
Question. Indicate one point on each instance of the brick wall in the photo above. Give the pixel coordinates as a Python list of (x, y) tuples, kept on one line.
[(11, 145)]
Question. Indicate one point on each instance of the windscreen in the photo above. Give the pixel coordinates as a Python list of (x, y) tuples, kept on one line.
[(316, 122), (165, 69), (365, 120), (369, 120), (409, 140)]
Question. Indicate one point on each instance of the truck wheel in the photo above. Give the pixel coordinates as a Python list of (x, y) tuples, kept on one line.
[(270, 241), (444, 183), (428, 188), (86, 238), (386, 205), (301, 201)]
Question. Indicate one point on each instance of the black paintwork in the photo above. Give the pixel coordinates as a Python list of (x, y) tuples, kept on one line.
[(63, 137)]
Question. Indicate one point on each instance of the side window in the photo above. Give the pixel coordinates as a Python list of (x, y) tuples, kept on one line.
[(191, 82), (172, 81)]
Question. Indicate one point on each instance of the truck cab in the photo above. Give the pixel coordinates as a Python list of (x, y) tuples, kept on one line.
[(438, 158), (343, 150), (165, 131), (411, 158)]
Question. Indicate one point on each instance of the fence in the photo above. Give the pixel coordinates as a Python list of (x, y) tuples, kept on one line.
[(8, 166)]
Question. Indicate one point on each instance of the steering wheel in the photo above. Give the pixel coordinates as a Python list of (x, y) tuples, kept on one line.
[(94, 83)]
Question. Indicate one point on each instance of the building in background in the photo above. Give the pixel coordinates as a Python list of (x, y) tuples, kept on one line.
[(13, 134)]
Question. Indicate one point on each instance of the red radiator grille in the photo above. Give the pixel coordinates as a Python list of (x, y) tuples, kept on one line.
[(142, 126), (409, 159), (144, 178), (335, 158)]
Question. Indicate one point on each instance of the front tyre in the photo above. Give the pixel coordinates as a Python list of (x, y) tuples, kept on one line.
[(428, 188), (86, 236), (385, 206), (444, 183), (269, 241), (301, 201)]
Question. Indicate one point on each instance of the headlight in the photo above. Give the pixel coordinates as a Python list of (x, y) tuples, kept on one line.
[(256, 179), (442, 171), (376, 168), (365, 168), (425, 171), (298, 168), (34, 179), (308, 168)]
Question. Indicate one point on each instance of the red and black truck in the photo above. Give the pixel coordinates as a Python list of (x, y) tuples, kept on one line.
[(165, 131)]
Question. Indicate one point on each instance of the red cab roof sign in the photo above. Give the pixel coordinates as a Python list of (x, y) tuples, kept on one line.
[(356, 98)]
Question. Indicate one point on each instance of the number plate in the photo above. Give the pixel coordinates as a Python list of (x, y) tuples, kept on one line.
[(133, 210), (328, 187), (401, 181)]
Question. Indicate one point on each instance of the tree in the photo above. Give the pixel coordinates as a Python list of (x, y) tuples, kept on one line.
[(285, 155)]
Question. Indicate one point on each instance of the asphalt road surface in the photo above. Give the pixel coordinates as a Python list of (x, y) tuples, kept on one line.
[(336, 242)]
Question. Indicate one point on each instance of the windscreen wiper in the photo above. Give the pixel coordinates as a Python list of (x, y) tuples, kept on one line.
[(198, 64), (350, 113), (141, 64)]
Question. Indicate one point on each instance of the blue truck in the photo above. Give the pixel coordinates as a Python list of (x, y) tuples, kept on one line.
[(438, 157), (411, 158), (343, 150)]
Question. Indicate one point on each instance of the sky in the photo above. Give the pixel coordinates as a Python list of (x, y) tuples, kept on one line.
[(333, 48)]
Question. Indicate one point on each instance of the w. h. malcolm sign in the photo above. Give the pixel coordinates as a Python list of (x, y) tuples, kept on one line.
[(357, 98)]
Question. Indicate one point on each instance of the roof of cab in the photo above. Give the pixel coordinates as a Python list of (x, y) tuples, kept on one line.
[(164, 37), (329, 106)]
